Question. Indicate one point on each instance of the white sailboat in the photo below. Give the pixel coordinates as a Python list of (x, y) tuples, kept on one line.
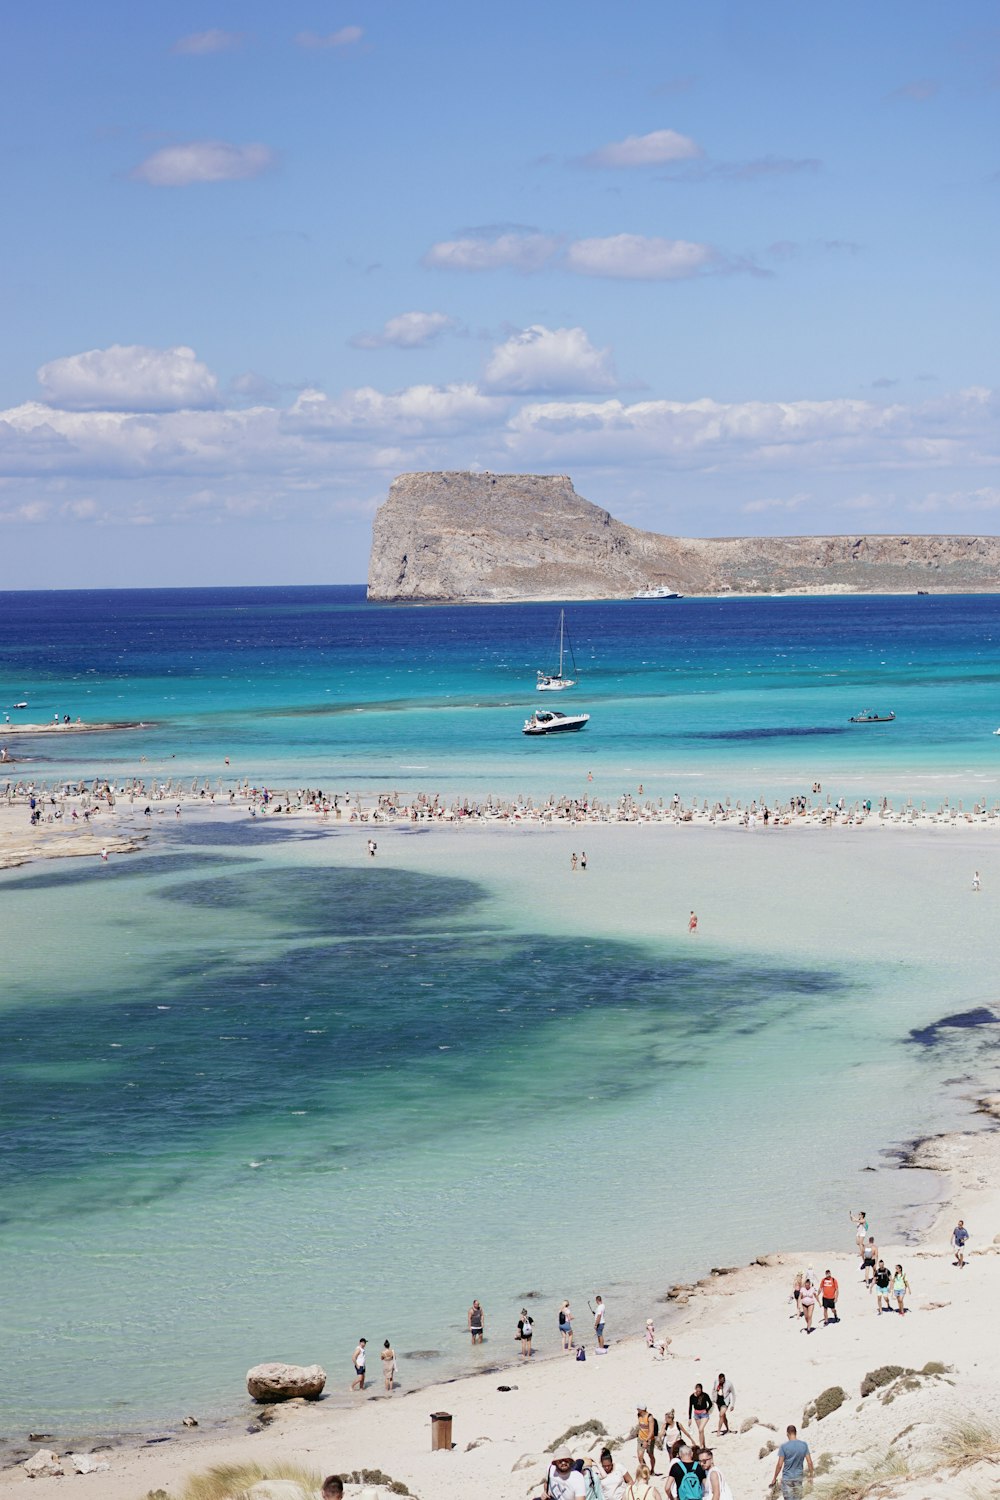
[(554, 682)]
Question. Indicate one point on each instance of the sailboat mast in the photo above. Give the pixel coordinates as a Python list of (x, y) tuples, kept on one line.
[(562, 622)]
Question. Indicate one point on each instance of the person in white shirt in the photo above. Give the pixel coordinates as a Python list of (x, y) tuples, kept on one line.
[(599, 1320), (613, 1481), (563, 1482)]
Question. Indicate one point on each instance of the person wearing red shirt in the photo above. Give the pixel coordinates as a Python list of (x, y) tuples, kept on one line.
[(828, 1290)]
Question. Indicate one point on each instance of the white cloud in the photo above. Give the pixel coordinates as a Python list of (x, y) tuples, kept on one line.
[(129, 377), (638, 257), (310, 458), (202, 43), (707, 434), (409, 330), (347, 36), (514, 251), (650, 150), (540, 359), (204, 161)]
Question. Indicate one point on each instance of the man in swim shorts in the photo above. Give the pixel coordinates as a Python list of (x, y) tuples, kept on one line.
[(477, 1321), (829, 1290), (883, 1277), (959, 1238)]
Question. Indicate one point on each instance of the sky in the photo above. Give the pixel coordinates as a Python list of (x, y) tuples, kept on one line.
[(732, 268)]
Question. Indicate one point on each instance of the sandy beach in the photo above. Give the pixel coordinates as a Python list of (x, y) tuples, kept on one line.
[(737, 1320), (741, 1321)]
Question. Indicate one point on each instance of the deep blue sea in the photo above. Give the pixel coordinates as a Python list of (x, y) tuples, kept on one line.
[(314, 686), (261, 1094)]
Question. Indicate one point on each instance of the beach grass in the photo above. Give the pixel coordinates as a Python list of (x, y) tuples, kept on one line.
[(232, 1481)]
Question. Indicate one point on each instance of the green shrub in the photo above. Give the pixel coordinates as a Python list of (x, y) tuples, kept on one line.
[(828, 1401), (591, 1428), (882, 1376)]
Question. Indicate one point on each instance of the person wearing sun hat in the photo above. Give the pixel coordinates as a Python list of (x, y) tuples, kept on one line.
[(563, 1481)]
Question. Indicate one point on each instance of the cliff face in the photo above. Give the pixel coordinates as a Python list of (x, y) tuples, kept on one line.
[(490, 537)]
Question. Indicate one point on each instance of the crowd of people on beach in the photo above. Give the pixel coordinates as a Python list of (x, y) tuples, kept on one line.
[(425, 807)]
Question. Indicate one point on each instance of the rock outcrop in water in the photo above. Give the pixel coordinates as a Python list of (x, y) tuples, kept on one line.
[(493, 537)]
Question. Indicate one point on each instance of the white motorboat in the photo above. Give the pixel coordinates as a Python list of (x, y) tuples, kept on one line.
[(659, 593), (554, 682), (550, 721)]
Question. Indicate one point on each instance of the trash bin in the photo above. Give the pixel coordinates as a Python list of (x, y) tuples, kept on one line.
[(440, 1430)]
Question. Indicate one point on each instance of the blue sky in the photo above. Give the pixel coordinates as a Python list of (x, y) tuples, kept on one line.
[(732, 268)]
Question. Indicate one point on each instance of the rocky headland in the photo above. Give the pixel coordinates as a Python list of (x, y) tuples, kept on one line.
[(483, 538)]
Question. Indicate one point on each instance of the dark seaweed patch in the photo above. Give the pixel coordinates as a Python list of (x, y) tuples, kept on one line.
[(963, 1020)]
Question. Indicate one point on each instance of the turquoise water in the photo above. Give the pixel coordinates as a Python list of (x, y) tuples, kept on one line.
[(260, 1095), (724, 697)]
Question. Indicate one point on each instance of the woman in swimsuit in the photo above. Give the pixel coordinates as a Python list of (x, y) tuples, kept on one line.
[(807, 1302), (796, 1294), (700, 1408), (388, 1357), (860, 1222), (900, 1287)]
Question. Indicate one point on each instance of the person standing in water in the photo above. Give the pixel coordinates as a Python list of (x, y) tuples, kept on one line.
[(388, 1357), (477, 1321), (360, 1360), (693, 922)]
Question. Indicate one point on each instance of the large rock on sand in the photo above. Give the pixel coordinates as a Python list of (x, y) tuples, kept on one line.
[(43, 1465), (277, 1382)]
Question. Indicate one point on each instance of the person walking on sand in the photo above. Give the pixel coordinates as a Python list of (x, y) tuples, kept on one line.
[(645, 1437), (883, 1280), (959, 1239), (700, 1409), (829, 1291), (807, 1302), (793, 1458), (797, 1294), (613, 1481), (477, 1321), (388, 1358), (900, 1288), (716, 1485), (599, 1314), (725, 1401), (869, 1260), (693, 922), (674, 1431), (687, 1478), (360, 1360), (563, 1481)]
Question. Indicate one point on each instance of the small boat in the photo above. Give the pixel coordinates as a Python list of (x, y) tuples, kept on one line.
[(21, 705), (660, 593), (550, 721), (867, 717), (554, 682)]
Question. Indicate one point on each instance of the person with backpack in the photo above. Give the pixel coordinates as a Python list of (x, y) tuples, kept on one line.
[(687, 1478), (525, 1329), (564, 1481), (646, 1433), (566, 1325)]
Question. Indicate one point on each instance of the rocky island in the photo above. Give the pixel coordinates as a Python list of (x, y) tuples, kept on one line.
[(486, 538)]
